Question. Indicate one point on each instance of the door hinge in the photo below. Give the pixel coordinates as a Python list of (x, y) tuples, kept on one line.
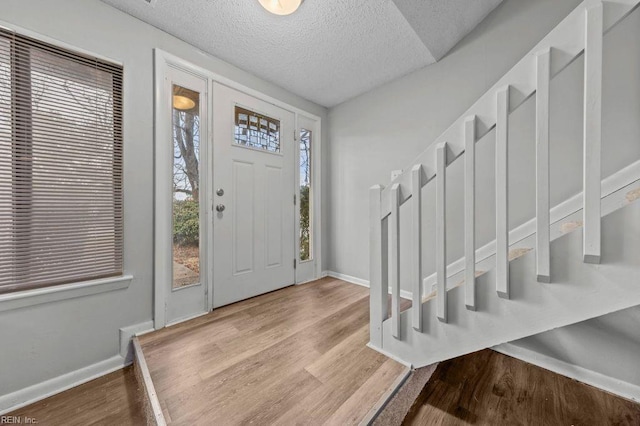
[(295, 135), (295, 199), (295, 263)]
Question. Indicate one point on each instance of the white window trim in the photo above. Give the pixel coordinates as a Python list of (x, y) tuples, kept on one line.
[(25, 298), (22, 299)]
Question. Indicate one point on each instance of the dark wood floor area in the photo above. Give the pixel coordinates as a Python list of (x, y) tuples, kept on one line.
[(110, 400), (295, 356), (488, 388)]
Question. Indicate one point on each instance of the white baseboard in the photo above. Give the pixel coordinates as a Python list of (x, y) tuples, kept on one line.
[(359, 281), (347, 278), (37, 392), (187, 318), (590, 377)]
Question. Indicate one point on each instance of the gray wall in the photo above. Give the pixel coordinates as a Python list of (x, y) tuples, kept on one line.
[(45, 341)]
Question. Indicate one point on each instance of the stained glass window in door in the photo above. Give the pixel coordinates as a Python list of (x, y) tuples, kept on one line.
[(254, 130)]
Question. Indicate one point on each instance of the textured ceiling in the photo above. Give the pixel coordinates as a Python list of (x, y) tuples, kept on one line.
[(441, 24), (329, 50)]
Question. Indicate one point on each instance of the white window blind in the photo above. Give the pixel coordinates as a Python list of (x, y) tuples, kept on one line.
[(61, 212)]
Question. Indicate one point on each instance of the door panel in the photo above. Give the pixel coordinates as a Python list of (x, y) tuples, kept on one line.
[(242, 217), (274, 217), (254, 244)]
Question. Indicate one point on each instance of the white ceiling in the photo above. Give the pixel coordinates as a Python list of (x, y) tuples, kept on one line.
[(329, 50)]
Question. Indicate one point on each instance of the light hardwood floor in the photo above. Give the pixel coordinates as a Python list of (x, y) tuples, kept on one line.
[(295, 356), (488, 388)]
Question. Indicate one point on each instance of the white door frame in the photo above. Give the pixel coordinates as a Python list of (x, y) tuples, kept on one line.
[(163, 60)]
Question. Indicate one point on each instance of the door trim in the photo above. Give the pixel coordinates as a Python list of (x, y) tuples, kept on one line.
[(163, 60)]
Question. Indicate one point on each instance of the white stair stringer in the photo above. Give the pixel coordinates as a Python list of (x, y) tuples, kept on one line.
[(580, 291)]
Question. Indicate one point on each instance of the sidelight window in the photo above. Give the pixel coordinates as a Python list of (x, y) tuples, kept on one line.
[(305, 195), (186, 187)]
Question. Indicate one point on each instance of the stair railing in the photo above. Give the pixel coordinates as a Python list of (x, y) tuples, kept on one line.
[(581, 31)]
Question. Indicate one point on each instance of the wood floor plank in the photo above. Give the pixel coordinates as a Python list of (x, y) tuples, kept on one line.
[(354, 409), (229, 392), (258, 372), (240, 309), (340, 380), (488, 388), (340, 357), (280, 397), (288, 322)]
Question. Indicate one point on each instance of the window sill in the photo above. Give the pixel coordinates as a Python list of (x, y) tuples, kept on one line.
[(22, 299)]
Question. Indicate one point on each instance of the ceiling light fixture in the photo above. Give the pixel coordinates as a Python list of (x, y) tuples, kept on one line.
[(183, 103), (281, 7)]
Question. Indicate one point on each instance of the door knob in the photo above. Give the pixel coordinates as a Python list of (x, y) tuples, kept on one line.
[(220, 208)]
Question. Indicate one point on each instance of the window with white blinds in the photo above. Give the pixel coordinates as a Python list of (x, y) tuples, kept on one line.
[(61, 213)]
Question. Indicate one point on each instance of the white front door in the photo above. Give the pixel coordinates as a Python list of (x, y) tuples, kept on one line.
[(254, 187)]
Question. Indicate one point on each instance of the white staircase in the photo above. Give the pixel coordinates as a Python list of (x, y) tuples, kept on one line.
[(566, 279)]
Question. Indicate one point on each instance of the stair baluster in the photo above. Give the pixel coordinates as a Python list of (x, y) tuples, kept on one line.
[(394, 260), (416, 255), (470, 213), (441, 230), (592, 132), (543, 237), (502, 187)]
